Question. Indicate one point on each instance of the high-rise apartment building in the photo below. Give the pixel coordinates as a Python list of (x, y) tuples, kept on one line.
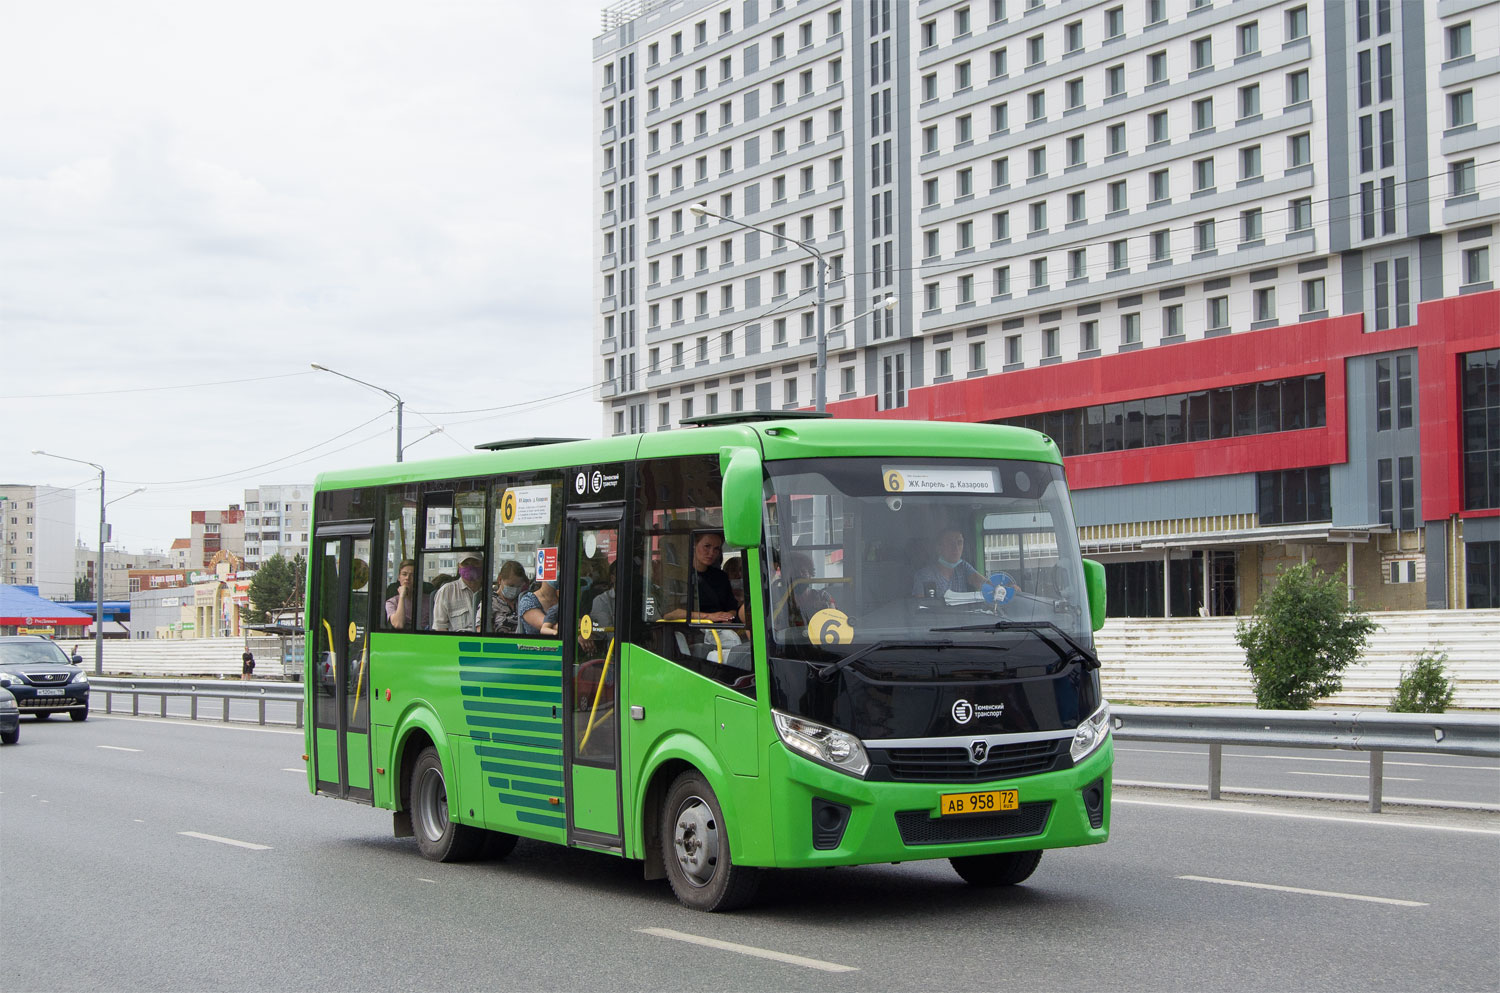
[(37, 526), (1235, 257), (277, 520), (216, 531)]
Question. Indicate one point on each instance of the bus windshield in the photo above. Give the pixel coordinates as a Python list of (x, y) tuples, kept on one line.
[(910, 552)]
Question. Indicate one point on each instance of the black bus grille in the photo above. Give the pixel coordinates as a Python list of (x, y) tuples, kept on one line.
[(919, 827), (952, 765)]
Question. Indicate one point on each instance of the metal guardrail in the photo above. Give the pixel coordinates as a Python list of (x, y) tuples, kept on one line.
[(1375, 732), (194, 690)]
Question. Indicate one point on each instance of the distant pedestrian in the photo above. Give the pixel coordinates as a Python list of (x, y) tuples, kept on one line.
[(247, 664)]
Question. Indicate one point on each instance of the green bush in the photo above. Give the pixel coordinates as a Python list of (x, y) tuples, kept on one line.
[(1303, 635), (1424, 688)]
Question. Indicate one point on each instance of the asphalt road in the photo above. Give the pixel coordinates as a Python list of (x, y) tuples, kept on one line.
[(130, 836)]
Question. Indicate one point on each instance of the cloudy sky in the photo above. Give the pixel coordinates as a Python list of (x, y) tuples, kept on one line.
[(198, 200)]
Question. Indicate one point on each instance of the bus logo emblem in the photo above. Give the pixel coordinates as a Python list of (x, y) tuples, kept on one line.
[(963, 712), (581, 483), (978, 751), (597, 481)]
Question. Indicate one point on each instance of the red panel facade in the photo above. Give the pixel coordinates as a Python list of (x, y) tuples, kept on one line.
[(1445, 329)]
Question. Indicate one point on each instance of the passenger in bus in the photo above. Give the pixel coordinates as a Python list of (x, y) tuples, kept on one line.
[(949, 571), (509, 585), (714, 596), (400, 610), (797, 599), (456, 606), (735, 570), (538, 610)]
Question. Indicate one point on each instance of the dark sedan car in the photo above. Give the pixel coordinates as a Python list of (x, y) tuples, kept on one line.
[(42, 678)]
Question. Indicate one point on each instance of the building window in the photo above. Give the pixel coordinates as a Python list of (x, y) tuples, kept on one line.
[(1203, 232), (1250, 162), (1264, 304), (1249, 101), (1073, 37), (1203, 114), (1156, 68), (1130, 329), (1251, 228), (1078, 263), (1119, 255), (1299, 149), (1203, 175), (1203, 52), (1002, 281), (1476, 266), (1461, 178), (1171, 321), (1313, 298), (1217, 313), (1050, 348), (1460, 41), (1296, 23), (1115, 139), (942, 364), (1036, 106), (1248, 35), (1074, 92), (1039, 273), (1481, 412), (1294, 496), (1075, 150), (1088, 336), (1161, 245), (1460, 109), (1114, 81), (976, 353), (1299, 214)]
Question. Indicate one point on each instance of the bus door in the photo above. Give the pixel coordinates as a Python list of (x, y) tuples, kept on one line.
[(341, 619), (590, 576)]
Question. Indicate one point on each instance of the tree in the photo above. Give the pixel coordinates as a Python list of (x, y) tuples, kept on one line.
[(83, 588), (277, 585), (1425, 688), (1302, 637)]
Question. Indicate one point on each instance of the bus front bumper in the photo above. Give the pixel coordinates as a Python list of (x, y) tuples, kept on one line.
[(825, 817)]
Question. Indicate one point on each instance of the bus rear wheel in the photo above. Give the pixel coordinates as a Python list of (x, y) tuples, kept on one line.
[(439, 838), (695, 849), (1002, 869)]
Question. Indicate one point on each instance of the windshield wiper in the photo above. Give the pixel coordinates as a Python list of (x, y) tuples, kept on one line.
[(1077, 654), (827, 673)]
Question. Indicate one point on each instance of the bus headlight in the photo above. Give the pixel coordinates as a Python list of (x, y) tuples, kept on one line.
[(1091, 733), (838, 749)]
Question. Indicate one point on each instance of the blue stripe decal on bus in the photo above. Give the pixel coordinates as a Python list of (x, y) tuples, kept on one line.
[(509, 694), (523, 772), (530, 818)]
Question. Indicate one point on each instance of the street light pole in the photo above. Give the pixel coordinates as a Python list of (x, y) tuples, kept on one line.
[(820, 379), (378, 389), (98, 564), (429, 434)]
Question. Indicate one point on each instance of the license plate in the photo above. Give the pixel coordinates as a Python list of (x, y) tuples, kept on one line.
[(978, 803), (49, 691)]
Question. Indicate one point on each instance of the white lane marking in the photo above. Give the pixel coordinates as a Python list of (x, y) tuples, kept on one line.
[(294, 770), (761, 953), (226, 841), (195, 724), (1233, 808), (1352, 775), (1299, 795), (1310, 758), (138, 820), (424, 879), (1306, 892), (118, 748)]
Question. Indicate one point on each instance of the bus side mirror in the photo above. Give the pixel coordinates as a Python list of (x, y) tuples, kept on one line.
[(1093, 582), (741, 469)]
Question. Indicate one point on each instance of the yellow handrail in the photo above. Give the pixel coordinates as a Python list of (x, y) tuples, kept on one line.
[(360, 682), (598, 692)]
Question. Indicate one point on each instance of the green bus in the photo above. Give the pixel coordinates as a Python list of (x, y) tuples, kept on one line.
[(758, 642)]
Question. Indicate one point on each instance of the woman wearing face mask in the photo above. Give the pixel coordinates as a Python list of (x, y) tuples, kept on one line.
[(949, 572), (509, 586)]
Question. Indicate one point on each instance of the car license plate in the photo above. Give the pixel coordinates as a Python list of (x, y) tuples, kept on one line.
[(49, 691), (987, 802)]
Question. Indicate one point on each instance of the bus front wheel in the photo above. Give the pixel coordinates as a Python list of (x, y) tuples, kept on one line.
[(695, 849), (438, 837), (1003, 869)]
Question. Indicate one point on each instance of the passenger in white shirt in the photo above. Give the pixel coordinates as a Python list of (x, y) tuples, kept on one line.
[(456, 606)]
